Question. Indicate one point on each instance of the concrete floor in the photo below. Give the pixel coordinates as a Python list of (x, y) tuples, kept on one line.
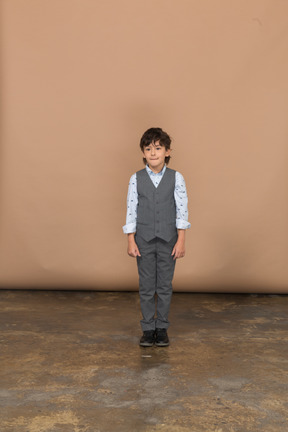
[(70, 361)]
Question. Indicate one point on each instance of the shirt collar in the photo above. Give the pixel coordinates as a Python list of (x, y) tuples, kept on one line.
[(150, 172)]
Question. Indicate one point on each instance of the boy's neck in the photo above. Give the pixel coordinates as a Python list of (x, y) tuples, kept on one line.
[(157, 170)]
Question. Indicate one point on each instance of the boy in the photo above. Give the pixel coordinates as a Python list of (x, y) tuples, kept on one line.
[(157, 217)]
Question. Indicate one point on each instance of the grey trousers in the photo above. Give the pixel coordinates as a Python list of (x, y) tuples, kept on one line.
[(156, 269)]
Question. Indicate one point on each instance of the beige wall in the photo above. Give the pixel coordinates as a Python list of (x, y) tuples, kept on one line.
[(82, 80)]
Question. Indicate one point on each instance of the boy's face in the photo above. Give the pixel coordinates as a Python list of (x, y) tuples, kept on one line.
[(155, 155)]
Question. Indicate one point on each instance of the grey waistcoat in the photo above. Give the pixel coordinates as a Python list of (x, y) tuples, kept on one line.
[(156, 212)]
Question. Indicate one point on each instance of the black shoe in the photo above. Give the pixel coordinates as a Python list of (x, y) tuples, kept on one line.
[(161, 337), (148, 339)]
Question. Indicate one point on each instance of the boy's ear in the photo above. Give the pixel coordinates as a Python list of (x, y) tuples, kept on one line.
[(168, 152)]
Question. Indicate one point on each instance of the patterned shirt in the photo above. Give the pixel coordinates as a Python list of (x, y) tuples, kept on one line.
[(180, 195)]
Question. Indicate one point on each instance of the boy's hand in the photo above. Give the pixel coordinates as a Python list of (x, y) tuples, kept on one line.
[(179, 248), (132, 249)]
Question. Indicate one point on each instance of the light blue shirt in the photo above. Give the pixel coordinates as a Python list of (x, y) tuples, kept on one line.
[(180, 196)]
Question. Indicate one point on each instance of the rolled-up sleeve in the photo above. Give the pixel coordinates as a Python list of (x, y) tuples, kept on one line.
[(132, 202), (181, 200)]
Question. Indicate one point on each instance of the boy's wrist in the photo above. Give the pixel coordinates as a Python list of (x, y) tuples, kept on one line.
[(181, 242), (181, 236), (131, 237)]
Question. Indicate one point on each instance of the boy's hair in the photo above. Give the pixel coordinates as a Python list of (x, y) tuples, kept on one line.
[(151, 136)]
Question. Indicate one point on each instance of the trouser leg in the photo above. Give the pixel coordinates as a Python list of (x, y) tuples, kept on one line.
[(147, 271), (165, 272)]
